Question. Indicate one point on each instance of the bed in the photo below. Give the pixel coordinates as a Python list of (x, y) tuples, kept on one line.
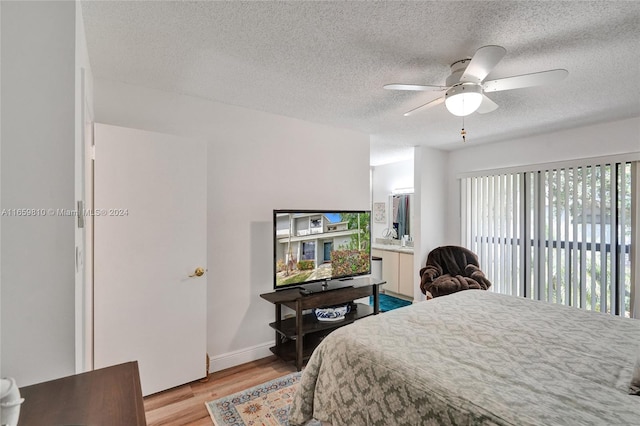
[(474, 357)]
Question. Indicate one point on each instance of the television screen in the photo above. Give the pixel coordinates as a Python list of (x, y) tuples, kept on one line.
[(312, 245)]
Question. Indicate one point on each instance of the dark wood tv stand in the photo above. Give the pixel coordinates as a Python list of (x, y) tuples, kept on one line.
[(297, 337)]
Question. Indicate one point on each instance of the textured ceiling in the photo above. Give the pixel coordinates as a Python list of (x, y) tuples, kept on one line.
[(326, 62)]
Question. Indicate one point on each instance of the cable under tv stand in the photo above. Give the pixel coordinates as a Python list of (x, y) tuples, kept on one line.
[(297, 337)]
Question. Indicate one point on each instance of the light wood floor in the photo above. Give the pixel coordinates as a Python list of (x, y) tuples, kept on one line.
[(184, 405)]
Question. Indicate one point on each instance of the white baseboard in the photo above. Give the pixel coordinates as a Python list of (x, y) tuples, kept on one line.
[(231, 359)]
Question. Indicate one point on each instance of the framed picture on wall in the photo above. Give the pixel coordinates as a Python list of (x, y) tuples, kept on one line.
[(380, 212)]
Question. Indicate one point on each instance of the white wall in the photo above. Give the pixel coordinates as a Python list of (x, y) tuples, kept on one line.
[(1, 375), (257, 162), (431, 201), (38, 78), (385, 179), (613, 138)]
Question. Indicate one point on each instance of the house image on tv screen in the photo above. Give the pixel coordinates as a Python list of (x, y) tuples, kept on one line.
[(315, 246)]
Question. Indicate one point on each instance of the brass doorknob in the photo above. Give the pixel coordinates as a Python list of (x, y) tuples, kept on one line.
[(197, 273)]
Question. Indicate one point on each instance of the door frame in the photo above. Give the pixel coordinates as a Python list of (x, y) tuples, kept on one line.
[(83, 225)]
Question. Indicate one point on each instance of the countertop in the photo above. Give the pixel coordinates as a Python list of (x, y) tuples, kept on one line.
[(392, 247)]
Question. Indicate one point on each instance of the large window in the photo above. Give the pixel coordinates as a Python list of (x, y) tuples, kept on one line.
[(561, 235)]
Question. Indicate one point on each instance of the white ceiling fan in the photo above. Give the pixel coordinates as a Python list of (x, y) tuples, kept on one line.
[(466, 88)]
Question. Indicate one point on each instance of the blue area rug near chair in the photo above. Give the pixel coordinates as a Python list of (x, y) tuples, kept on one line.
[(389, 303)]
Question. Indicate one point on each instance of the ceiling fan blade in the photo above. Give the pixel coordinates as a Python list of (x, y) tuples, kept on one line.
[(416, 87), (483, 61), (487, 105), (429, 104), (525, 80)]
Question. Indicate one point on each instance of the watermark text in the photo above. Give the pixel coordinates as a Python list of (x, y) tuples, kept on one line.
[(37, 212)]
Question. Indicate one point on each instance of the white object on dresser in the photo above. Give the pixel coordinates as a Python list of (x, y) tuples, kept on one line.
[(9, 402)]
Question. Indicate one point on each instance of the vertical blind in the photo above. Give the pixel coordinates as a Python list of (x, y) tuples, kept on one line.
[(559, 235)]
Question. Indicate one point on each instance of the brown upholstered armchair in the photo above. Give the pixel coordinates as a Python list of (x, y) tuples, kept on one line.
[(450, 269)]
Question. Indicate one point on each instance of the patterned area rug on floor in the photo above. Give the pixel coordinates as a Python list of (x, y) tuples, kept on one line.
[(266, 404), (389, 303)]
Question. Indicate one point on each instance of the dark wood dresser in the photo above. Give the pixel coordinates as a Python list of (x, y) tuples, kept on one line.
[(104, 397)]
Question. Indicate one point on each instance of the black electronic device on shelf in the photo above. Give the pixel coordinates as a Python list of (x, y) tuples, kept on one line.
[(328, 285)]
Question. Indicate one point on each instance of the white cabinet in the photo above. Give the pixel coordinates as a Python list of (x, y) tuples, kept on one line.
[(389, 268), (406, 274), (397, 271)]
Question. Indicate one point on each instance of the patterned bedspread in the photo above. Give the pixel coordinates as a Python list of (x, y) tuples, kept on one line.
[(474, 357)]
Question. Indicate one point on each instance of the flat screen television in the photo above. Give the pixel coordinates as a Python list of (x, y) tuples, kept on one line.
[(320, 246)]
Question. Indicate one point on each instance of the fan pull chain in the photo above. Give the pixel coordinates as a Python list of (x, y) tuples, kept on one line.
[(463, 132)]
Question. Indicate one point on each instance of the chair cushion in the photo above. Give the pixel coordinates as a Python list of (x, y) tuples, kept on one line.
[(447, 284)]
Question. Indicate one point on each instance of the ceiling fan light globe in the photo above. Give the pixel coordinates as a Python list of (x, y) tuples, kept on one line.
[(463, 99)]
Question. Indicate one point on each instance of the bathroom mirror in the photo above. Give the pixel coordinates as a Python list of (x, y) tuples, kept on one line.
[(400, 216)]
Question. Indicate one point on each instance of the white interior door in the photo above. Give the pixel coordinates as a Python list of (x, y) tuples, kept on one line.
[(149, 237)]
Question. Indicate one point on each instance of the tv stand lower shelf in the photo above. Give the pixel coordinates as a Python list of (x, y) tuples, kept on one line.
[(297, 337)]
